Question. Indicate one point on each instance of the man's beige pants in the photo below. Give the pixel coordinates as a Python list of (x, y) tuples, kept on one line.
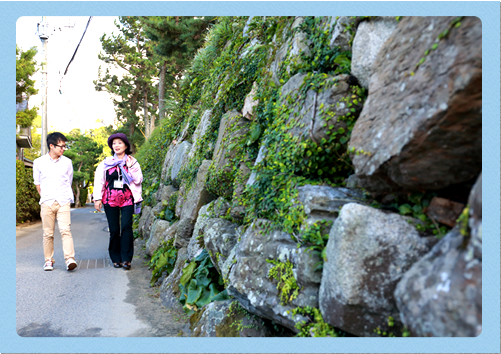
[(49, 216)]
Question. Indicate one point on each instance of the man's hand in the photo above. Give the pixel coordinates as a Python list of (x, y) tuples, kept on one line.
[(39, 189), (97, 205)]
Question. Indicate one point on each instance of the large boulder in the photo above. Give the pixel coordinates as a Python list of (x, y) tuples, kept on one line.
[(370, 37), (260, 157), (169, 156), (215, 209), (421, 126), (320, 112), (343, 32), (169, 290), (200, 131), (181, 199), (145, 221), (156, 235), (324, 202), (241, 178), (228, 152), (228, 319), (220, 237), (250, 103), (196, 244), (367, 253), (179, 160), (259, 250), (441, 295), (290, 50), (165, 192), (175, 158), (157, 209), (197, 197), (444, 211), (475, 220)]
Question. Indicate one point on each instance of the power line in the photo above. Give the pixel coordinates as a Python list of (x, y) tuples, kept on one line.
[(74, 54)]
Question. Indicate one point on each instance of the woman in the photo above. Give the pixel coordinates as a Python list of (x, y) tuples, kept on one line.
[(117, 185)]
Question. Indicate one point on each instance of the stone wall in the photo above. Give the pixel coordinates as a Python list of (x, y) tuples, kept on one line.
[(368, 131)]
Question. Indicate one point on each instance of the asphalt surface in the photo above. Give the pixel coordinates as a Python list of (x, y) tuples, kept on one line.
[(91, 302)]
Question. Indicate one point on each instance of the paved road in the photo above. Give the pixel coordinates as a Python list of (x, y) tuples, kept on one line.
[(94, 300)]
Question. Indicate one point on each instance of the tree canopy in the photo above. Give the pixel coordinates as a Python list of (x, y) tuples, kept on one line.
[(84, 152), (129, 51), (25, 85), (154, 52)]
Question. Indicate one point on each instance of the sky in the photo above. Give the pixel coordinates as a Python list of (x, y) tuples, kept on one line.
[(79, 105)]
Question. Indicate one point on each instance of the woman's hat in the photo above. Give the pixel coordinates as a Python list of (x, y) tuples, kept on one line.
[(120, 136)]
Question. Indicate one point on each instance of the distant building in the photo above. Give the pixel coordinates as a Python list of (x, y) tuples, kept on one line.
[(23, 137)]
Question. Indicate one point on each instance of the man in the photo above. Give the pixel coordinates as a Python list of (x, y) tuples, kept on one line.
[(53, 175)]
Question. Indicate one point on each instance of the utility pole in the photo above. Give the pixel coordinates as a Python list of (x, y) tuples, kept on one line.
[(43, 33)]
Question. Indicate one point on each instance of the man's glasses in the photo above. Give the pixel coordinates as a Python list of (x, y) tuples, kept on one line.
[(62, 146)]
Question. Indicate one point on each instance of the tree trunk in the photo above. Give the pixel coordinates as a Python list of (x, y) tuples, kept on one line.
[(161, 91), (147, 131), (77, 197), (132, 124)]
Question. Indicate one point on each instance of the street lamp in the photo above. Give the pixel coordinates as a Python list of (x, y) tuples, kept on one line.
[(43, 33)]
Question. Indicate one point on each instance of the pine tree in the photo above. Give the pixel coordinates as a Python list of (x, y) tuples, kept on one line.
[(175, 40), (130, 51)]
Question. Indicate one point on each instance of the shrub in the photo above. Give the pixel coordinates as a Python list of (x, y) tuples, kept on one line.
[(27, 198)]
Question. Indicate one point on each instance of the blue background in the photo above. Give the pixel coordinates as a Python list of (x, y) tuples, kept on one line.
[(488, 341)]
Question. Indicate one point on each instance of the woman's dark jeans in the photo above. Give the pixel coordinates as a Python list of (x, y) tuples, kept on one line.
[(121, 246)]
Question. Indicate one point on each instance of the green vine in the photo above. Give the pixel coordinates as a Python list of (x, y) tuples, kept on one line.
[(315, 326), (287, 286), (462, 221)]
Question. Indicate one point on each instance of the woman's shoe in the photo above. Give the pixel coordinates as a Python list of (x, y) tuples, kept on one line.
[(126, 265), (117, 265)]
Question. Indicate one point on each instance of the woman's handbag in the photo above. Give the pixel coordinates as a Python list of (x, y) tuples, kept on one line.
[(137, 208)]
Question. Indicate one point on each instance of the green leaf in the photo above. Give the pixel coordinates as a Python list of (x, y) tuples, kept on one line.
[(223, 295), (255, 131), (405, 209), (187, 273), (204, 299), (169, 215), (417, 208), (202, 256), (194, 292), (422, 217), (342, 60), (162, 260), (213, 290), (183, 294), (202, 276)]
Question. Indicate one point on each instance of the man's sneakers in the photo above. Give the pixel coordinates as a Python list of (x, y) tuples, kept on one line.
[(48, 265), (71, 264)]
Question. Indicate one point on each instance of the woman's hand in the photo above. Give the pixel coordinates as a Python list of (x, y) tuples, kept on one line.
[(129, 161), (97, 205)]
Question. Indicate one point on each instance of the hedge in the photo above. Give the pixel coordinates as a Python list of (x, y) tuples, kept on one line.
[(27, 198)]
